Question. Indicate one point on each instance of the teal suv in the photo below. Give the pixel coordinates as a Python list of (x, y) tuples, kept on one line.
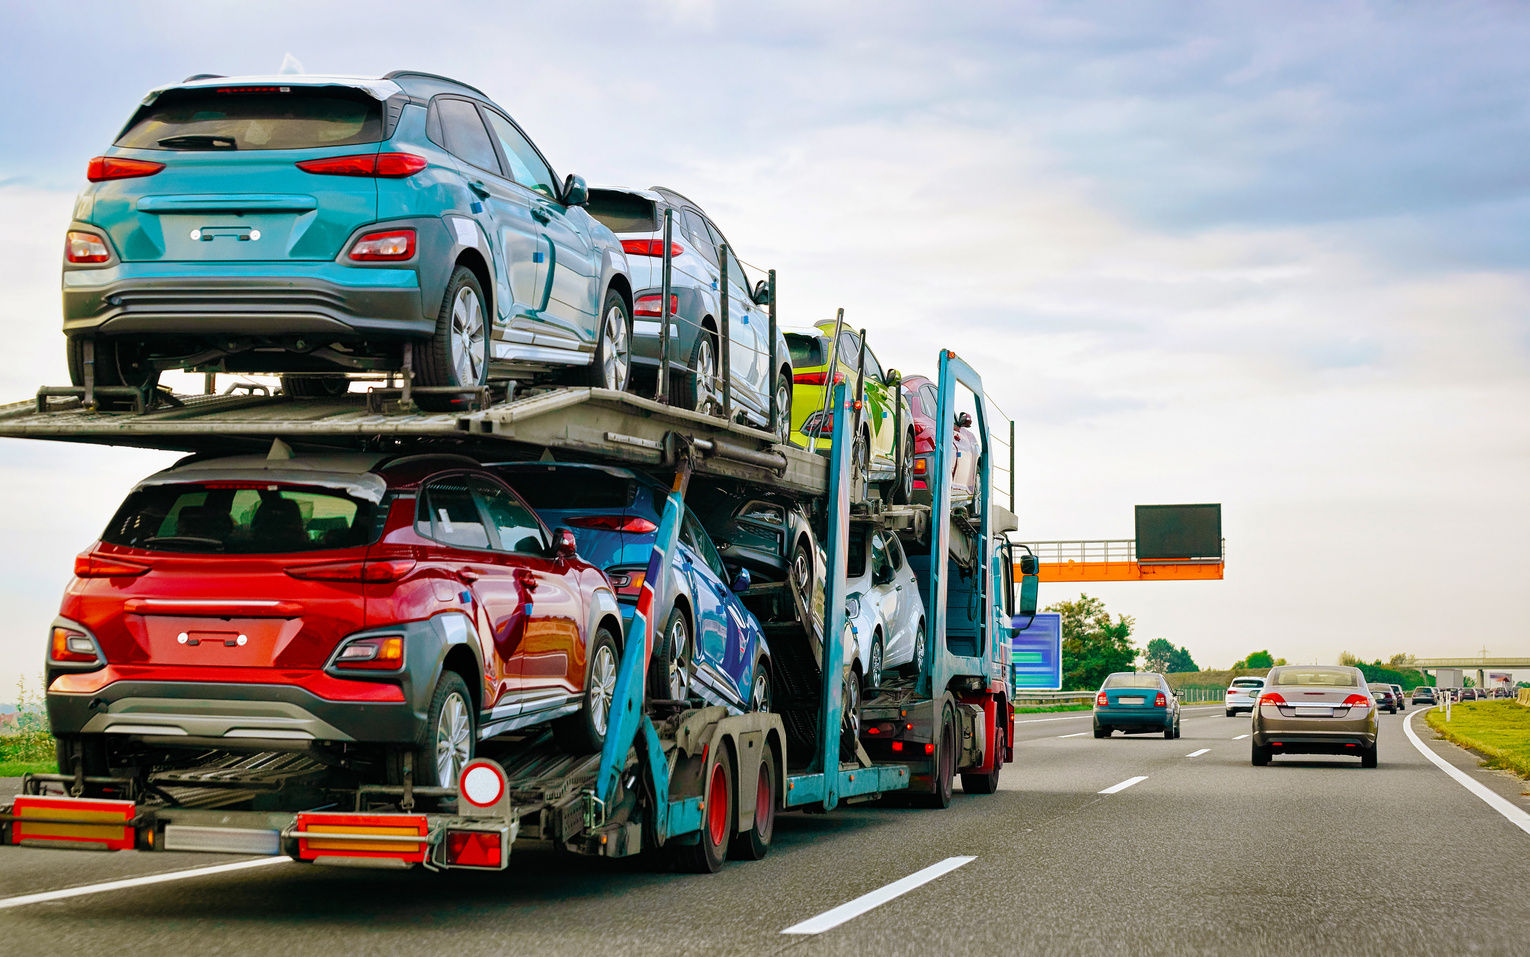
[(1139, 702), (313, 226)]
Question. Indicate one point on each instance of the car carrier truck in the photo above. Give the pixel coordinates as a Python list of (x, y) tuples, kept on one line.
[(696, 784)]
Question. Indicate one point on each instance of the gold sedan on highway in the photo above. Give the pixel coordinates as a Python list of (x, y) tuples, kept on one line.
[(1315, 709)]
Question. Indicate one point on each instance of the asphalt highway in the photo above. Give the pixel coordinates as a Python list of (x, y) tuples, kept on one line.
[(1201, 853)]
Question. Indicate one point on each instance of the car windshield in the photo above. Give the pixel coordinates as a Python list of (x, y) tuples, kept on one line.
[(622, 212), (1313, 675), (241, 518), (300, 118), (1246, 683), (571, 488), (1148, 681), (807, 351)]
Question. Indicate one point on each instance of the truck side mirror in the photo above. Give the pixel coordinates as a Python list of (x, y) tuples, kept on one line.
[(1030, 568)]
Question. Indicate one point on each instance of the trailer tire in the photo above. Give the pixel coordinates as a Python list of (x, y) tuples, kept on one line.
[(584, 731), (755, 843), (706, 854), (987, 783), (945, 760)]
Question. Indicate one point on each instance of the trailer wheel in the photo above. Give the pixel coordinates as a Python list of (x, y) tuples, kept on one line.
[(755, 844), (988, 783), (584, 731), (945, 760), (710, 849)]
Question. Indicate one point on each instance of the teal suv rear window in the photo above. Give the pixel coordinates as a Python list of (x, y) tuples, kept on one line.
[(299, 118)]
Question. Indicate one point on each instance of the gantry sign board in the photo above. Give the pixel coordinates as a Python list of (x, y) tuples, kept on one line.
[(1036, 654), (1179, 532)]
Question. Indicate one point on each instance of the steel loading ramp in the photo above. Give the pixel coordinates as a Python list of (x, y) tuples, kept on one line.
[(601, 424)]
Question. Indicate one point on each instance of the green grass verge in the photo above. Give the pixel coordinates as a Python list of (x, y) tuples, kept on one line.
[(15, 769), (1498, 729)]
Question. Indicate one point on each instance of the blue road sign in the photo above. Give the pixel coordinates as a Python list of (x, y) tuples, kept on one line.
[(1036, 654)]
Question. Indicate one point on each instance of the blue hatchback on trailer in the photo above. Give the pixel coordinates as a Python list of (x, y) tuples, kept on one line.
[(1136, 702), (710, 645), (316, 225)]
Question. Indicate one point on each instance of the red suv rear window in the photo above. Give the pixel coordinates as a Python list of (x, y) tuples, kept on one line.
[(240, 518)]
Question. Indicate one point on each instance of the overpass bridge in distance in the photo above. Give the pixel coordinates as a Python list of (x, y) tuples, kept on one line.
[(1481, 664)]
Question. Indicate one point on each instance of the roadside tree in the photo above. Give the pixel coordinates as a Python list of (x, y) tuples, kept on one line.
[(1093, 644)]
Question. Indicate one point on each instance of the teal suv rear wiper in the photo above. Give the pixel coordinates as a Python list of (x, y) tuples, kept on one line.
[(199, 141)]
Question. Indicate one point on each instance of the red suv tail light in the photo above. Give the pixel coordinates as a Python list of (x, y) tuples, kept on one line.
[(649, 247), (117, 167), (372, 654), (1359, 702), (1160, 701), (1271, 699), (385, 165), (392, 244), (635, 524), (649, 306), (387, 570), (80, 247), (94, 566), (72, 647), (1101, 700)]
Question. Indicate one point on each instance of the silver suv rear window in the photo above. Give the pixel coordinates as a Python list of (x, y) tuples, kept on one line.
[(623, 212), (301, 118)]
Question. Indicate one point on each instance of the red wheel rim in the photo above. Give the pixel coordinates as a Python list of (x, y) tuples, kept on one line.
[(717, 806), (764, 803)]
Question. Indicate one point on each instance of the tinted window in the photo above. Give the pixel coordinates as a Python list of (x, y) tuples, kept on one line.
[(304, 118), (850, 349), (562, 488), (465, 135), (873, 367), (736, 274), (807, 351), (881, 564), (448, 513), (516, 527), (526, 167), (1313, 675), (239, 518), (855, 558), (695, 537), (895, 552), (1149, 682), (623, 212), (696, 227), (1247, 683), (929, 400)]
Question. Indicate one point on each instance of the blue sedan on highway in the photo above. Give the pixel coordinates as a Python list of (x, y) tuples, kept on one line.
[(1136, 702), (710, 645)]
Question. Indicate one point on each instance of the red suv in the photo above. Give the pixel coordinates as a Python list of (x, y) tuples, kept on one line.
[(361, 607)]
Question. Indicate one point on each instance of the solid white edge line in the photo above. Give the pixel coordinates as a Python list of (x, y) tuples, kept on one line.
[(1196, 754), (849, 910), (1125, 784), (137, 882), (1076, 734), (1516, 815)]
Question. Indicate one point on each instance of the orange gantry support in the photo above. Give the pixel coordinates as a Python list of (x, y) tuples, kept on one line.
[(1115, 560)]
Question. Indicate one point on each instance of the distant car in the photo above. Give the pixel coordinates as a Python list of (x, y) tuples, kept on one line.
[(1315, 709), (314, 225), (1385, 698), (1424, 694), (636, 216), (924, 406), (883, 606), (1242, 693), (367, 606), (1136, 703), (1400, 697), (708, 644), (1467, 694), (877, 443)]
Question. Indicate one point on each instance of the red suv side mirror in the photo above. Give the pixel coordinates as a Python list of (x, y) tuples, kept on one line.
[(564, 546)]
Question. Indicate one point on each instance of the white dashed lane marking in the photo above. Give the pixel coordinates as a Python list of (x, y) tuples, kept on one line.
[(1125, 784), (850, 910), (1196, 754)]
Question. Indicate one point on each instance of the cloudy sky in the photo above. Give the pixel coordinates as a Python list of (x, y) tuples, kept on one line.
[(1272, 256)]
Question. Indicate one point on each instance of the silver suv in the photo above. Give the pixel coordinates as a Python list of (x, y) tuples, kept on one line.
[(636, 216)]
